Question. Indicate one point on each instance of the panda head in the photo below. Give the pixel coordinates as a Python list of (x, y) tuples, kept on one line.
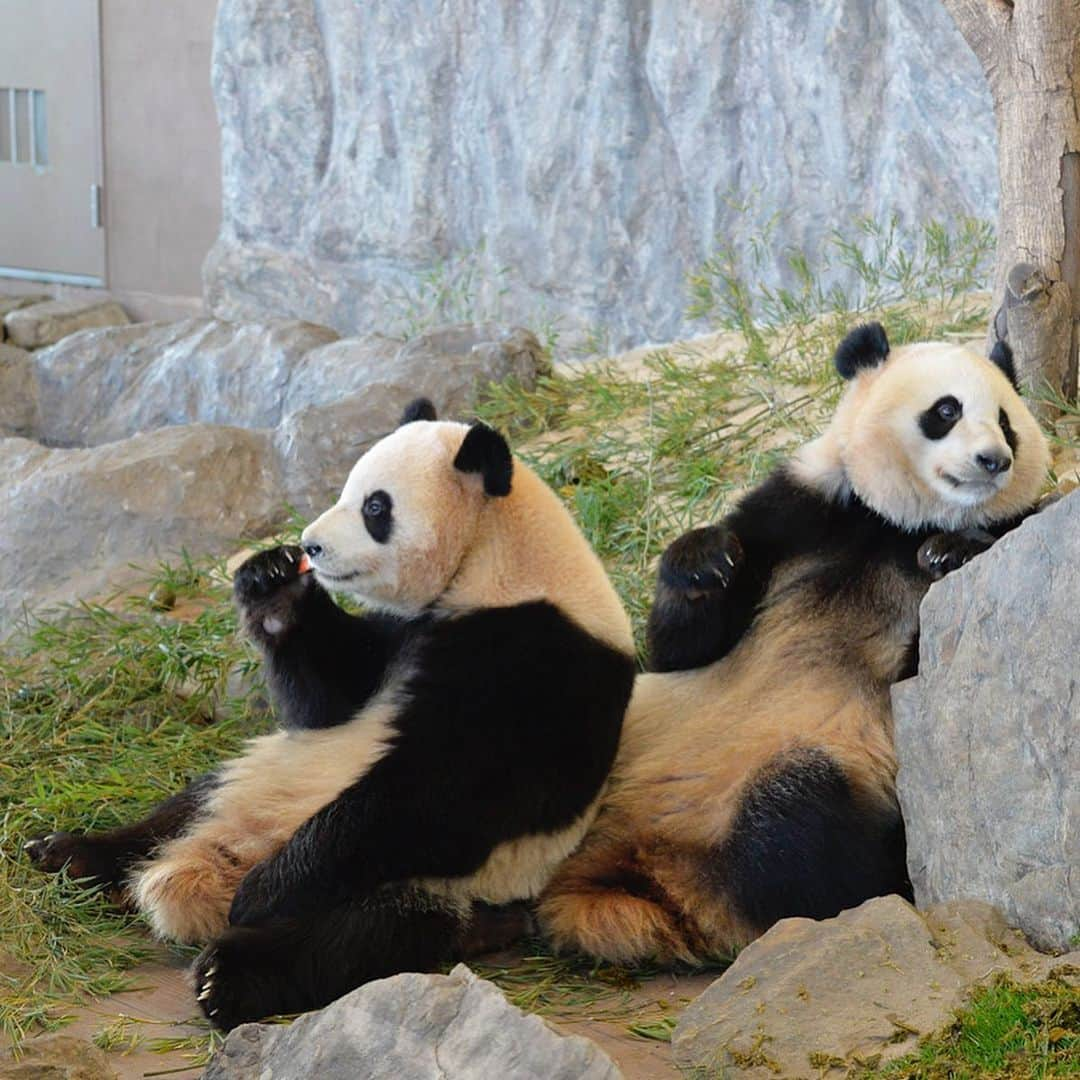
[(931, 435), (410, 511), (440, 516)]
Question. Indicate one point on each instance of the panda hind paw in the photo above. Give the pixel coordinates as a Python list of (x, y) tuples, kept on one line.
[(701, 562)]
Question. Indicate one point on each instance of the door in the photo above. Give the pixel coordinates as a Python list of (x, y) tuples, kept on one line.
[(50, 141)]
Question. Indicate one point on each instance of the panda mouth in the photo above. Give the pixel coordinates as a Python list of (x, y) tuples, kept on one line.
[(322, 575), (974, 484)]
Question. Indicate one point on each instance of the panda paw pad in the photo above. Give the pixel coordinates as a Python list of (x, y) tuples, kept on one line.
[(702, 561)]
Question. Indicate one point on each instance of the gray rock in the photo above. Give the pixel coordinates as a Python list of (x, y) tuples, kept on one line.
[(38, 325), (599, 156), (75, 519), (986, 734), (319, 442), (243, 420), (861, 988), (18, 392), (13, 303), (55, 1057), (412, 1027), (107, 385)]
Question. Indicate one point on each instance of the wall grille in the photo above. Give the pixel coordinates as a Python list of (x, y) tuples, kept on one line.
[(23, 131)]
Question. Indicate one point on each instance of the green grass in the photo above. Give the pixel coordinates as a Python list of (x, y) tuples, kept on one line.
[(102, 714), (105, 710), (1007, 1032)]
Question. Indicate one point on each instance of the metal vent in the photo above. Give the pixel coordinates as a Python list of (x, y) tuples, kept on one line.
[(23, 133)]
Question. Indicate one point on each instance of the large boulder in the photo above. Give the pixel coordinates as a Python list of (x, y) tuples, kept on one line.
[(98, 387), (412, 1027), (319, 441), (860, 989), (75, 519), (600, 155), (987, 733), (199, 433)]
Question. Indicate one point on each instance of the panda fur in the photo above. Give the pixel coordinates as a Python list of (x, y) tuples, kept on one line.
[(439, 755), (756, 777)]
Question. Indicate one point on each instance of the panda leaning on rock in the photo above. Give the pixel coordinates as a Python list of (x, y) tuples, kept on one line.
[(439, 756), (756, 775)]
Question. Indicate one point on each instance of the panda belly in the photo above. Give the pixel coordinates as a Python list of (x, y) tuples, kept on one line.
[(260, 800), (517, 869)]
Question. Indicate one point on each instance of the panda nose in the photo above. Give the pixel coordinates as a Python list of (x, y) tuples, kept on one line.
[(312, 551), (994, 463)]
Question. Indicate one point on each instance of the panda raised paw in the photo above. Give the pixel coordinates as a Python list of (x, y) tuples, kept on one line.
[(945, 552), (268, 586), (701, 562)]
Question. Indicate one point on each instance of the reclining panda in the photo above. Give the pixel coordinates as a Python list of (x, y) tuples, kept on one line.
[(756, 778), (441, 753)]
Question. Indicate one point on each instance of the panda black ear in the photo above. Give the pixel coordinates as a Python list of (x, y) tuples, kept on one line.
[(1002, 355), (486, 452), (865, 347), (420, 409)]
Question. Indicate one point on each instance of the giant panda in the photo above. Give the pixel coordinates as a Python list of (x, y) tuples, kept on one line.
[(439, 756), (756, 776)]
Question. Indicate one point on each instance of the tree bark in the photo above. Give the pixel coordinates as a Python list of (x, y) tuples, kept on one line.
[(1030, 51)]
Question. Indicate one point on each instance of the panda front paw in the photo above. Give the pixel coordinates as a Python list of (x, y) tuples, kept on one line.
[(702, 562), (268, 588), (232, 983), (945, 552)]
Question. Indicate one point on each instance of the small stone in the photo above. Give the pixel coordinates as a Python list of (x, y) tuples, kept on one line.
[(13, 303), (18, 392), (42, 324), (162, 597)]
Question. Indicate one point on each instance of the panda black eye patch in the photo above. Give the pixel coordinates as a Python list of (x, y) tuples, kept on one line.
[(1007, 430), (378, 516), (941, 417)]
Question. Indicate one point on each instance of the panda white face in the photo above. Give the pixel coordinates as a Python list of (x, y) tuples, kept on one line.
[(933, 436), (403, 523)]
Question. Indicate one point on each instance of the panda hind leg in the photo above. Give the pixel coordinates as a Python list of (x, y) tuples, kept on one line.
[(106, 858), (806, 842), (606, 901), (293, 965)]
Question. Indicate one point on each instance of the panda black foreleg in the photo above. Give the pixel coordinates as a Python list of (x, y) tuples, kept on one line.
[(700, 609), (322, 663), (293, 965), (105, 858)]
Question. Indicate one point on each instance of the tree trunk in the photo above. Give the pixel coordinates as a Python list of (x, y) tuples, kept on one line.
[(1030, 51)]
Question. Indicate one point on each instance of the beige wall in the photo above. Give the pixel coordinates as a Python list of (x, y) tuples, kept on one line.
[(162, 155)]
